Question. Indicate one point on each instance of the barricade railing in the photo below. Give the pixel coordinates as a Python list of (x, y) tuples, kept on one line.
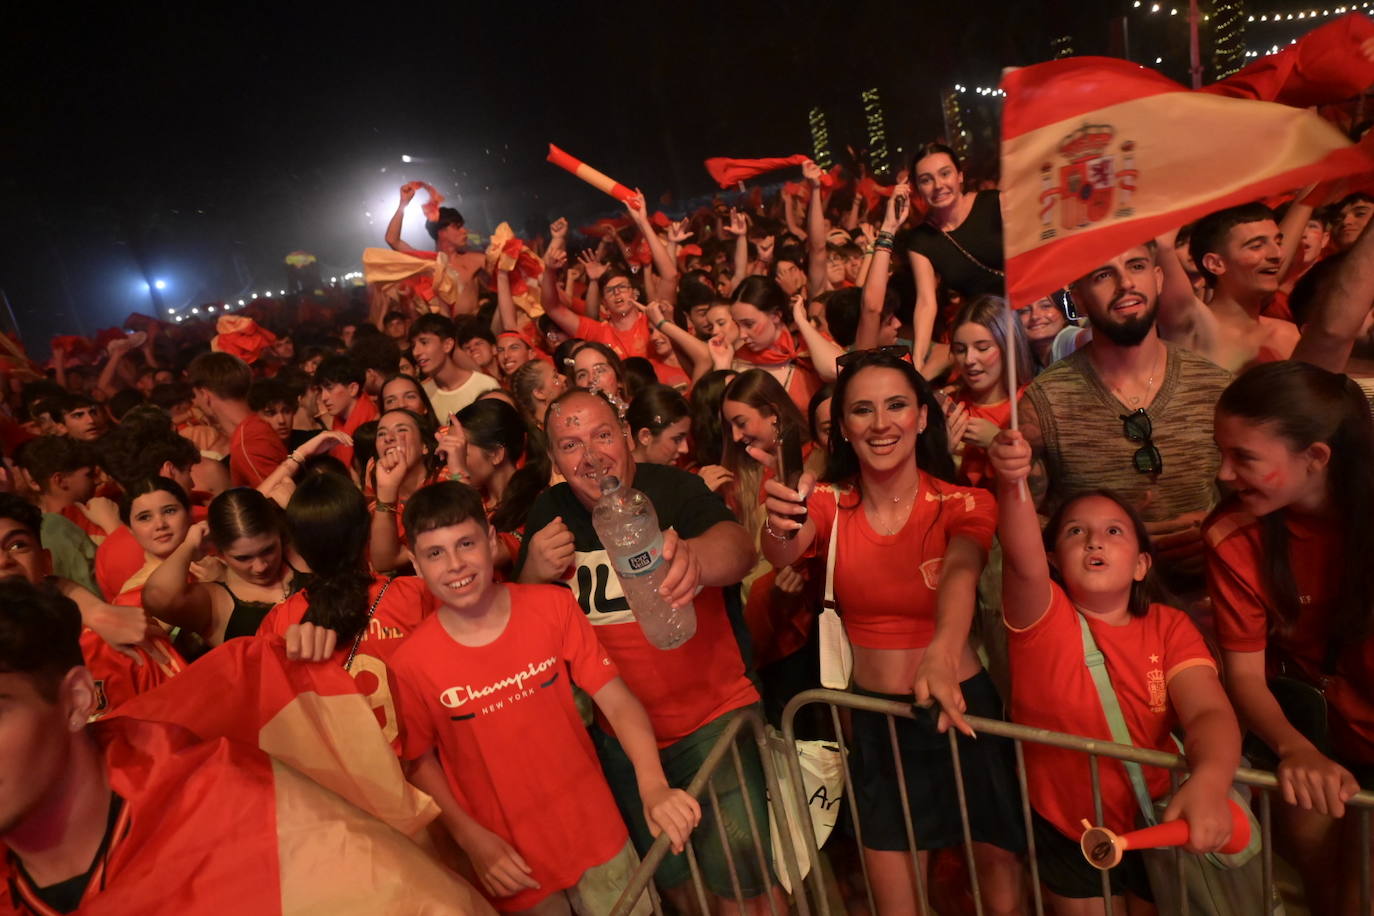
[(1264, 782), (726, 752)]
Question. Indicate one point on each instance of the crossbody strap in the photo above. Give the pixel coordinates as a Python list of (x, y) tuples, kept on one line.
[(829, 601), (1116, 721), (358, 640)]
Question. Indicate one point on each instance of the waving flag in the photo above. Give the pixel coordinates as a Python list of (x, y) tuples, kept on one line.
[(729, 172), (1100, 154)]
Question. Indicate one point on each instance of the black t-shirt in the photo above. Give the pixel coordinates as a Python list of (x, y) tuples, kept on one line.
[(980, 235), (681, 500)]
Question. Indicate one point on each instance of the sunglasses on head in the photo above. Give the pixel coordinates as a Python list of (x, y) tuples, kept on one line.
[(1137, 427), (896, 351)]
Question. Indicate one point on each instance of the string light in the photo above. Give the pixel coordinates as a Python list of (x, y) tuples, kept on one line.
[(877, 133), (1307, 14)]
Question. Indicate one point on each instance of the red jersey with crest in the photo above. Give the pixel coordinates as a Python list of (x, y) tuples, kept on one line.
[(1052, 688)]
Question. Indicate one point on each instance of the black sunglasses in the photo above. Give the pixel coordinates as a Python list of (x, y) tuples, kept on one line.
[(1138, 428), (896, 351)]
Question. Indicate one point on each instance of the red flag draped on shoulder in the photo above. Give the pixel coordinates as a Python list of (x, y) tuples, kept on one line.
[(1100, 154)]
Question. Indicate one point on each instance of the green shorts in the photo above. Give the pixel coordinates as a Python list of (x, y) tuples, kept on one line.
[(681, 761)]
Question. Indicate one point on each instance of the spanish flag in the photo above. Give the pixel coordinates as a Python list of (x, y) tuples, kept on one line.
[(1100, 154), (219, 828)]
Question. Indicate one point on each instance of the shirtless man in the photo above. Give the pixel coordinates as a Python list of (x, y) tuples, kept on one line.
[(451, 237), (1238, 251)]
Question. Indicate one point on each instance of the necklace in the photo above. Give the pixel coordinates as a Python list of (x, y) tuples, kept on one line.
[(897, 501), (1149, 386)]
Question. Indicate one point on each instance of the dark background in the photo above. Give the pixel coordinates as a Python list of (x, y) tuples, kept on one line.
[(198, 147)]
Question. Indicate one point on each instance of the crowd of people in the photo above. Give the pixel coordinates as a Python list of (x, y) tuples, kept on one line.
[(813, 392)]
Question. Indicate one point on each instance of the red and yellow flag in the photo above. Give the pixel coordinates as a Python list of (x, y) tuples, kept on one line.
[(1100, 154)]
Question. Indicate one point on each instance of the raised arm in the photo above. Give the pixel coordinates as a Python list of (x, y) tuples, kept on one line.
[(1182, 318), (697, 351), (105, 385), (595, 269), (664, 265), (562, 316), (385, 550), (739, 227), (783, 504), (393, 228), (879, 267), (816, 281), (1291, 229), (824, 352), (1025, 569), (1340, 309), (170, 596)]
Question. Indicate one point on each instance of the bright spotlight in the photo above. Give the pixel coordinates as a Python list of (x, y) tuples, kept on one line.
[(255, 295), (268, 294), (406, 159), (240, 302), (160, 284), (283, 292), (195, 311)]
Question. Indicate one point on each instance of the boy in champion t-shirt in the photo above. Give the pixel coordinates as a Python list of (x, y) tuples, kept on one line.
[(484, 697)]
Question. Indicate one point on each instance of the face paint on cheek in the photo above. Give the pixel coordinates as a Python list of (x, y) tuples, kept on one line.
[(1272, 479)]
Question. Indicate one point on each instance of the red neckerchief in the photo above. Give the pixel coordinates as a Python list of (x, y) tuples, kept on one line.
[(783, 350)]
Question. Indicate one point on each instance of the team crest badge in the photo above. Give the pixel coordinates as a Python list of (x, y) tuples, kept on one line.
[(1095, 180)]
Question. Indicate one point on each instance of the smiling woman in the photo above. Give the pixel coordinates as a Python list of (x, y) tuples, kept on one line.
[(959, 246), (909, 548)]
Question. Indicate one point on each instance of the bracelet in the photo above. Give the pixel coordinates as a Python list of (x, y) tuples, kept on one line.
[(660, 324), (292, 457), (384, 507), (884, 234), (768, 527), (883, 245), (870, 250)]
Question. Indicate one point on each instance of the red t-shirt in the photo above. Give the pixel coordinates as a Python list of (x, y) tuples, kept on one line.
[(73, 514), (974, 469), (632, 342), (255, 450), (509, 737), (1244, 614), (1052, 688), (364, 409), (119, 678), (670, 375), (119, 557), (886, 585)]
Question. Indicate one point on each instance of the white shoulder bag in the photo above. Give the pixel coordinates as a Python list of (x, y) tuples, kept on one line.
[(837, 658)]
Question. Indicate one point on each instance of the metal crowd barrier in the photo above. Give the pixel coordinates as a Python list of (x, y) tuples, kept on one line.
[(818, 901), (726, 751)]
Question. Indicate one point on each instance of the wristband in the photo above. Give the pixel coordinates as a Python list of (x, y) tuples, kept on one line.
[(292, 457), (660, 324), (384, 507)]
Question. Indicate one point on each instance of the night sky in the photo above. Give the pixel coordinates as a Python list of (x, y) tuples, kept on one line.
[(206, 144)]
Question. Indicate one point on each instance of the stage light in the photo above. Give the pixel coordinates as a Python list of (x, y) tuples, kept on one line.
[(255, 295), (406, 159), (333, 279), (283, 292), (195, 311), (268, 294), (240, 302), (171, 311), (160, 284), (209, 308)]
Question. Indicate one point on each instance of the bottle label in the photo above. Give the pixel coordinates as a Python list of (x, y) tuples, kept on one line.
[(642, 562)]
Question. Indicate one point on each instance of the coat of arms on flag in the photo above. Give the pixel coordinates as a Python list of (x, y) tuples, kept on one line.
[(1085, 187)]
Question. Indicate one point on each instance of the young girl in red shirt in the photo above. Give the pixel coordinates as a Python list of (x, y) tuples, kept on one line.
[(1292, 586), (1091, 569)]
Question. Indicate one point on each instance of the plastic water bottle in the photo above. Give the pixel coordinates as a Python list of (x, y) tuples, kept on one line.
[(627, 524)]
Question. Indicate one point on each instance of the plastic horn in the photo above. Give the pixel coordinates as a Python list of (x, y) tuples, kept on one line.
[(1103, 849), (591, 176)]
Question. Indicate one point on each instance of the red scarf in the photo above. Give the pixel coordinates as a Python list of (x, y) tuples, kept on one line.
[(783, 350)]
